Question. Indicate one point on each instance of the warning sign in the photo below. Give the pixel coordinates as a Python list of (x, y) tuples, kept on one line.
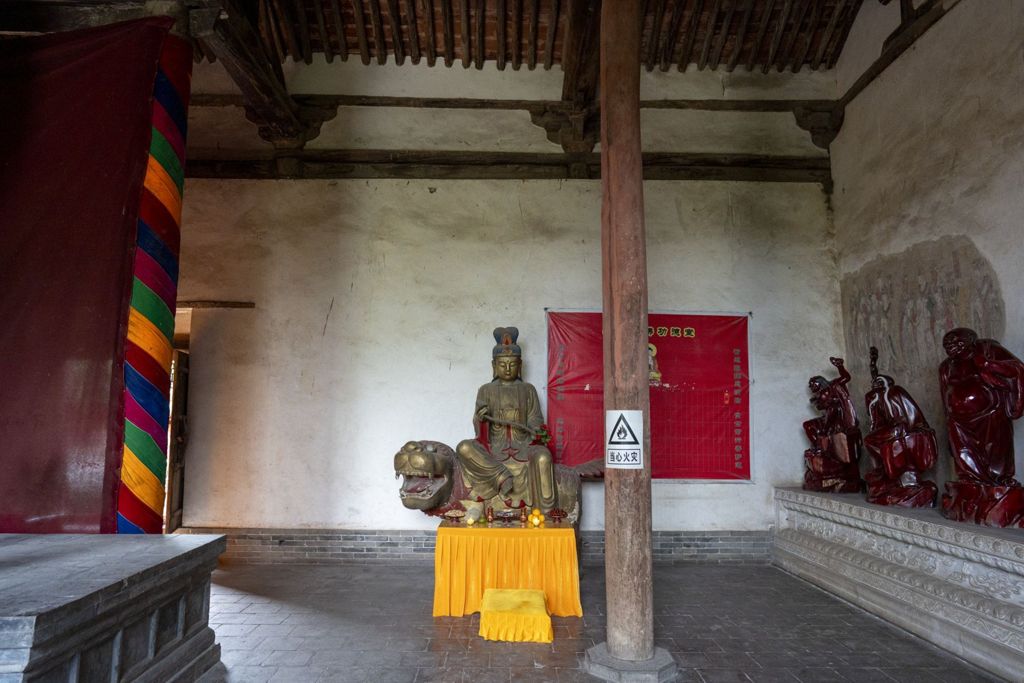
[(624, 439)]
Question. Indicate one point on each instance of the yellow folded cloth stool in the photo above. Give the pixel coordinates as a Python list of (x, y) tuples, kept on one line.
[(515, 615)]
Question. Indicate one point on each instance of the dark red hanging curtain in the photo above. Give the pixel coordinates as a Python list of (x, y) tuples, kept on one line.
[(75, 113)]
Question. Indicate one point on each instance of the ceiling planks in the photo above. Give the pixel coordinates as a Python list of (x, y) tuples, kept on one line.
[(786, 35)]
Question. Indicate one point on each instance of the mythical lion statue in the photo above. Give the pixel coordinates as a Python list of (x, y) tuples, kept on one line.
[(433, 482)]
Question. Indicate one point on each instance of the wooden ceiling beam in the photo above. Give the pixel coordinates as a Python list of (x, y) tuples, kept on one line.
[(549, 39), (830, 29), (228, 34), (656, 37), (412, 21), (429, 29), (780, 29), (709, 35), (339, 28), (287, 28), (800, 56), (847, 24), (448, 31), (360, 19), (762, 30), (741, 35), (533, 36), (517, 34), (716, 54), (464, 36), (325, 38), (268, 31), (789, 43), (501, 29), (691, 36), (352, 164), (395, 23), (380, 46), (672, 36), (480, 44), (304, 39)]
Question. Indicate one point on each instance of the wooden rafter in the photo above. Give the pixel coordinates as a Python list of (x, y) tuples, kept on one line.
[(671, 37), (709, 34), (480, 16), (429, 29), (303, 26), (789, 43), (780, 29), (549, 39), (691, 36), (723, 36), (364, 43), (744, 26), (325, 38), (448, 31), (501, 28), (395, 23), (655, 37), (830, 29), (339, 29), (800, 56), (377, 24), (762, 30), (517, 34), (531, 43), (412, 22)]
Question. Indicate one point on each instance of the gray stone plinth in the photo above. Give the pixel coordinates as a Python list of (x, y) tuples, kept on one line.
[(958, 585), (105, 607), (659, 669)]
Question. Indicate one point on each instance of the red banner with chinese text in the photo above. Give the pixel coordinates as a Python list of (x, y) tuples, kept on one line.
[(699, 383)]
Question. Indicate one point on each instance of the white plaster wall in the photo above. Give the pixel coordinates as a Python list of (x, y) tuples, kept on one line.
[(419, 80), (935, 147), (875, 22), (374, 306)]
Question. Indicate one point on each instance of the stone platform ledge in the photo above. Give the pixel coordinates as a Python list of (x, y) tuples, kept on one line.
[(106, 607), (659, 669), (959, 586)]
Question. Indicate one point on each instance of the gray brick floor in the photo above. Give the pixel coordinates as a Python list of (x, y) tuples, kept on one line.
[(722, 623)]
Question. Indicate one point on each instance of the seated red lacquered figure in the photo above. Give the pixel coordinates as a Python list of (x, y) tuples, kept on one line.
[(835, 436), (901, 445), (982, 393)]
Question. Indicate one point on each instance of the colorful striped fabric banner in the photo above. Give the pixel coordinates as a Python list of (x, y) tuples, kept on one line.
[(148, 350)]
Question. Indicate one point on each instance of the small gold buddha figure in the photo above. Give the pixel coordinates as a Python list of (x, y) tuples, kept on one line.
[(506, 461)]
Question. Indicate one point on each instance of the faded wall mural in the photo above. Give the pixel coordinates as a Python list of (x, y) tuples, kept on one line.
[(903, 303)]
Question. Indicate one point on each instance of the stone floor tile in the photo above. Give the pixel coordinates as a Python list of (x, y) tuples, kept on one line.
[(350, 623), (250, 674), (290, 658), (773, 675), (723, 676)]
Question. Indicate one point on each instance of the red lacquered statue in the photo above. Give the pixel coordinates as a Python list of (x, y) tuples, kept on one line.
[(982, 393), (835, 436), (901, 445)]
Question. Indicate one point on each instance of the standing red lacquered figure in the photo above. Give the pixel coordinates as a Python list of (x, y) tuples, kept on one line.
[(901, 445), (982, 393), (835, 436)]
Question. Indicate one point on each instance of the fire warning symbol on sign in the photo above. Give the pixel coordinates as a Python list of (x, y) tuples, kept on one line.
[(624, 430)]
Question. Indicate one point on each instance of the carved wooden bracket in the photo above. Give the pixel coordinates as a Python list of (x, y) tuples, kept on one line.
[(822, 121), (576, 130), (226, 32)]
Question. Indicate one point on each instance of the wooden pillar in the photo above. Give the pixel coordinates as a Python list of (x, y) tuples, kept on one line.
[(627, 512)]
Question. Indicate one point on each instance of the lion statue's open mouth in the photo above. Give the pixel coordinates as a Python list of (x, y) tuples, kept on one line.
[(426, 470)]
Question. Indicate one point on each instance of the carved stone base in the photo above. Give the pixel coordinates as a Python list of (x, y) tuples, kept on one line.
[(1000, 506), (825, 473), (659, 669), (956, 585)]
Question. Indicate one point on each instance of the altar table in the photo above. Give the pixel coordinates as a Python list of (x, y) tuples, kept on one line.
[(469, 560)]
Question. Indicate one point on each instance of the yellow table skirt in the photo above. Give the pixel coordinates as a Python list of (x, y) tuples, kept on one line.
[(515, 615), (469, 560)]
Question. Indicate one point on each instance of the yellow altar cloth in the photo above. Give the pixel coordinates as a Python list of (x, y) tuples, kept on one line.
[(517, 616), (469, 560)]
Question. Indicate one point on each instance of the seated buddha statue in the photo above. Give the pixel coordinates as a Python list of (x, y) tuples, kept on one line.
[(506, 461)]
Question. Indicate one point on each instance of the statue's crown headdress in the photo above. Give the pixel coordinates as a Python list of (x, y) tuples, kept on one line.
[(506, 342)]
